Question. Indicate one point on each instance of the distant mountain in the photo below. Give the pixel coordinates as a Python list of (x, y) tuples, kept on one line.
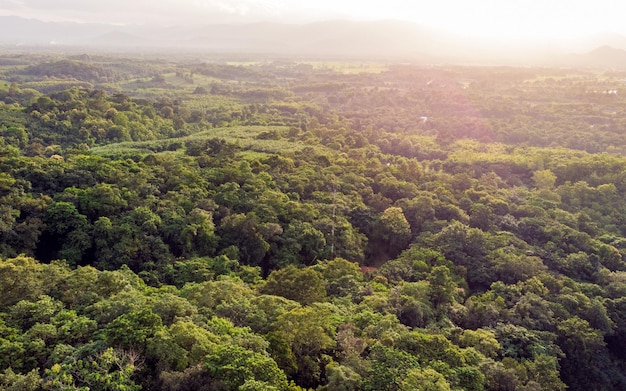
[(601, 57), (595, 41), (607, 55), (20, 31), (381, 38), (118, 39), (338, 38)]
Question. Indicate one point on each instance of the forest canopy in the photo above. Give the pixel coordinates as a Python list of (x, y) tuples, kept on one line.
[(279, 225)]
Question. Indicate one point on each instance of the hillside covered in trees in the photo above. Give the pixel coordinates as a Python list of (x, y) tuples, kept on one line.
[(280, 225)]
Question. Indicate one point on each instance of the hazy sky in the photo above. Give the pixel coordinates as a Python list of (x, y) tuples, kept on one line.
[(492, 18)]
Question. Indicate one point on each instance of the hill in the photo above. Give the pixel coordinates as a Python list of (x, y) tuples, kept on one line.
[(602, 57)]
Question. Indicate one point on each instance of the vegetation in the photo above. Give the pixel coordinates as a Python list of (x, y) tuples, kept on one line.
[(280, 226)]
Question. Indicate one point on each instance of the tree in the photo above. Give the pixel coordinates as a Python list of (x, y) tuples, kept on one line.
[(243, 232), (342, 378), (441, 287), (544, 369), (237, 366), (389, 368), (132, 330), (544, 179), (424, 380), (304, 285), (110, 370), (198, 237), (482, 340), (72, 328), (481, 216), (511, 267), (486, 309), (583, 346), (392, 233), (21, 279), (301, 243), (194, 378), (466, 247), (342, 277), (307, 332), (11, 381), (266, 310), (102, 200), (67, 233), (183, 345), (171, 307)]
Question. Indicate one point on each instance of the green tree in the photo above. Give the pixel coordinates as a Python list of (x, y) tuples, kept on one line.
[(482, 340), (342, 277), (102, 200), (392, 231), (133, 329), (544, 179), (198, 236), (468, 248), (583, 346), (424, 380), (544, 369), (342, 378), (67, 233), (481, 216), (236, 366), (301, 243), (389, 368), (304, 285), (110, 370), (11, 381), (21, 278), (441, 287), (308, 333), (184, 344), (243, 232)]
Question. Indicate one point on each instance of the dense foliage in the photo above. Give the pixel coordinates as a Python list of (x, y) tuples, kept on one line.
[(289, 226)]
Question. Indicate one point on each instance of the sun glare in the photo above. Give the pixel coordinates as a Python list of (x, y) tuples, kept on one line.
[(501, 20), (494, 19)]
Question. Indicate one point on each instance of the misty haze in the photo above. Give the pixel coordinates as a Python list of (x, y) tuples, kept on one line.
[(284, 195)]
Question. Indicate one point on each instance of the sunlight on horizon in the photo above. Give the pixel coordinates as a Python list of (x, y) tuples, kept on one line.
[(496, 19), (500, 20)]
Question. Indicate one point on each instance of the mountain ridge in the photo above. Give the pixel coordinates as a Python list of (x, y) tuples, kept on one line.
[(337, 38)]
